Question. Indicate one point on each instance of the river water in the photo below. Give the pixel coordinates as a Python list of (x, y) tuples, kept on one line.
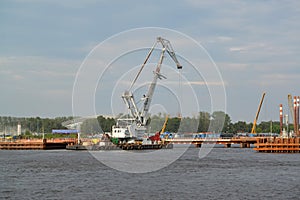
[(225, 173)]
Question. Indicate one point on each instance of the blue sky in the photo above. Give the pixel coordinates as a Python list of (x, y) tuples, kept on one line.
[(255, 45)]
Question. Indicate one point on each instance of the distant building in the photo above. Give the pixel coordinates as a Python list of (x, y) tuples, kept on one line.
[(77, 122), (65, 131)]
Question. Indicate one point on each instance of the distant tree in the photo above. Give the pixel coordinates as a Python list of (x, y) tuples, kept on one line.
[(188, 124), (105, 123), (155, 123), (220, 122), (173, 124), (240, 127), (204, 121), (276, 127), (217, 121), (263, 127), (27, 133), (90, 127)]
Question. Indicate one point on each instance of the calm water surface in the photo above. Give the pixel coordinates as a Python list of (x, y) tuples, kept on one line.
[(231, 173)]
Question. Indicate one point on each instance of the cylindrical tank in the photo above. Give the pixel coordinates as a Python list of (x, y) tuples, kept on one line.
[(19, 129)]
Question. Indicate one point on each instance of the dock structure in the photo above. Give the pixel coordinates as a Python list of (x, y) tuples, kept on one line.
[(278, 145), (287, 142), (35, 144), (244, 142), (261, 144)]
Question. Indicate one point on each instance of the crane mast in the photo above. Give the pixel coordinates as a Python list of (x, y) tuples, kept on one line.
[(149, 95)]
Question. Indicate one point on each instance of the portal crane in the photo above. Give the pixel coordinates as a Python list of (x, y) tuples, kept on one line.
[(141, 117), (257, 114), (135, 126)]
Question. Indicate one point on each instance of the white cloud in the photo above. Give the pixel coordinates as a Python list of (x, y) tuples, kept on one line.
[(275, 79), (233, 66), (39, 66), (207, 83), (247, 48), (17, 77), (224, 38)]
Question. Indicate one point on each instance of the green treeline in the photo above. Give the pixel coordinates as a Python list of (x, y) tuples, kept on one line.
[(31, 124), (99, 125), (215, 122)]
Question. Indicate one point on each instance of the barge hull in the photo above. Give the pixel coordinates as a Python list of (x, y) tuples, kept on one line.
[(120, 147)]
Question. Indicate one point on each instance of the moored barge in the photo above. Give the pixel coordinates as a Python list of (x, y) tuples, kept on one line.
[(35, 144)]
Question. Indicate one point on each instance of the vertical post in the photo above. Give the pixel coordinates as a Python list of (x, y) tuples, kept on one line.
[(287, 123), (281, 118), (78, 138), (43, 132), (295, 115), (298, 102), (19, 129)]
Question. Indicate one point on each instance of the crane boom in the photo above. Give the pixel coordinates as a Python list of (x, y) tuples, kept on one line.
[(290, 103), (166, 47), (257, 113), (165, 125), (149, 95), (291, 107)]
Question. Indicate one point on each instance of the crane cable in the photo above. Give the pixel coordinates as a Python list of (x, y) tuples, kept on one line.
[(143, 65)]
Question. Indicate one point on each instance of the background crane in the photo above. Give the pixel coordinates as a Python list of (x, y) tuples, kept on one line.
[(291, 107), (257, 114)]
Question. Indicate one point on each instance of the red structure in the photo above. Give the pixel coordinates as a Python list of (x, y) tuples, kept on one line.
[(281, 118), (297, 118), (295, 114)]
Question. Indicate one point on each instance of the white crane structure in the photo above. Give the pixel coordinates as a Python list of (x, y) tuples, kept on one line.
[(135, 126)]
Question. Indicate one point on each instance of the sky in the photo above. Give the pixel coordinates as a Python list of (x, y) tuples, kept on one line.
[(254, 45)]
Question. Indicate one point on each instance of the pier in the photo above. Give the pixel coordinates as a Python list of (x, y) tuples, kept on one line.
[(278, 145), (35, 144), (244, 142), (261, 144)]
